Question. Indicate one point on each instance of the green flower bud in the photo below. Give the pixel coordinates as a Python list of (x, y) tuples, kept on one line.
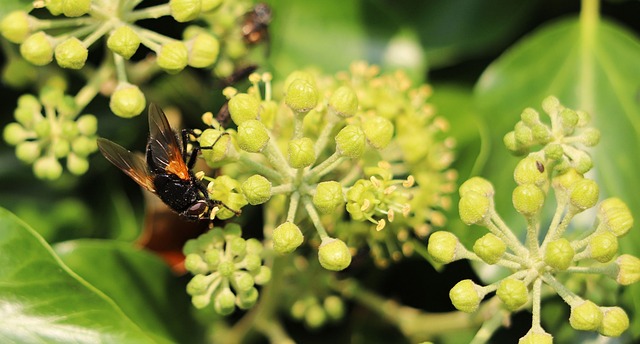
[(71, 54), (14, 133), (315, 316), (301, 96), (615, 216), (523, 135), (197, 285), (328, 197), (195, 264), (582, 161), (247, 299), (334, 254), (614, 321), (28, 151), (566, 181), (628, 269), (466, 296), (286, 238), (263, 276), (219, 151), (124, 41), (301, 153), (553, 151), (513, 293), (54, 6), (586, 316), (224, 302), (477, 184), (16, 26), (590, 137), (185, 10), (474, 208), (60, 148), (127, 100), (200, 301), (550, 104), (213, 257), (254, 246), (603, 246), (257, 189), (334, 306), (528, 199), (243, 107), (489, 248), (298, 75), (252, 262), (43, 129), (37, 49), (530, 171), (541, 134), (344, 102), (584, 194), (83, 146), (536, 338), (173, 57), (75, 8), (226, 268), (242, 281), (350, 141), (530, 117), (77, 165), (47, 168), (378, 131), (510, 142), (568, 120), (237, 246), (442, 246), (252, 136), (87, 124), (559, 254), (203, 51), (19, 73)]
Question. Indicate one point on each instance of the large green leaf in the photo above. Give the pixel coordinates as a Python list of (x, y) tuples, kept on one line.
[(43, 301)]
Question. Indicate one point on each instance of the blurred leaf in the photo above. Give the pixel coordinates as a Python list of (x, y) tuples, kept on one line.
[(7, 6), (42, 301), (139, 282)]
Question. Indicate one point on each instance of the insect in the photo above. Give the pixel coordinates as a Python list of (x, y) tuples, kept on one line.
[(166, 169), (255, 26)]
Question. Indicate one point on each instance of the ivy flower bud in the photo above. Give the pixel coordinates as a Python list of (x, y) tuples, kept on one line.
[(550, 104), (286, 238), (541, 134), (243, 107), (301, 152), (586, 316), (614, 321), (477, 184), (510, 142), (15, 26), (14, 133), (559, 254), (242, 281), (77, 165), (263, 276), (530, 117), (224, 302), (328, 197), (247, 299), (568, 120), (252, 136), (533, 337), (124, 41), (47, 167), (615, 216), (83, 145), (490, 248), (173, 57), (334, 254), (71, 54), (28, 151), (75, 8), (603, 246), (334, 306), (530, 171), (87, 124), (442, 246), (523, 134), (197, 285), (584, 194), (185, 10), (350, 141), (301, 96), (528, 199), (203, 52), (567, 180), (466, 296), (344, 102), (474, 208), (127, 100), (257, 189), (37, 49), (315, 316), (628, 269), (513, 293), (553, 151), (195, 264), (590, 137), (378, 131)]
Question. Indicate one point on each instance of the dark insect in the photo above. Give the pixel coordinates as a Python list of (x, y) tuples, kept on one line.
[(239, 74), (166, 171), (539, 166), (255, 26)]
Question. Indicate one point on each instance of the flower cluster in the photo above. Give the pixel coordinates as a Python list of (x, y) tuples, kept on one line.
[(535, 265), (226, 269)]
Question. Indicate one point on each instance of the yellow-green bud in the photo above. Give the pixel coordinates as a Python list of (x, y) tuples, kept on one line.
[(584, 194), (242, 281), (614, 321), (350, 141), (204, 49), (477, 184), (466, 296), (301, 96), (328, 197), (334, 306), (54, 6), (19, 73), (127, 100), (124, 41), (243, 107), (200, 301), (378, 131), (586, 316), (536, 338), (195, 264), (37, 49), (60, 148), (173, 57), (83, 145), (523, 134), (252, 136), (75, 8), (334, 254), (315, 316), (247, 299), (615, 216), (47, 167), (268, 112), (213, 257), (87, 124), (530, 171), (197, 285), (510, 142), (565, 182), (628, 269), (528, 199), (603, 246), (71, 54), (14, 133), (257, 189), (43, 129), (263, 276), (28, 151), (224, 302), (16, 26), (489, 248), (77, 165), (568, 120), (530, 117), (582, 161), (287, 237), (590, 137), (559, 254), (220, 146), (541, 133), (252, 262), (344, 102), (513, 293), (442, 246), (474, 208), (298, 75), (550, 104), (301, 153), (553, 151), (185, 10)]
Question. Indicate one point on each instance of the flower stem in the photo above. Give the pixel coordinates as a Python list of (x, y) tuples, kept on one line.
[(315, 218)]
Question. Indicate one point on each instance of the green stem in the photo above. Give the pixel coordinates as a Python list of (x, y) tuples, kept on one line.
[(536, 302), (282, 189), (91, 89), (557, 231), (153, 12), (276, 159), (567, 295), (499, 228), (533, 229), (261, 169), (315, 217), (589, 21), (294, 202), (98, 33), (488, 328), (324, 167), (323, 138), (45, 24)]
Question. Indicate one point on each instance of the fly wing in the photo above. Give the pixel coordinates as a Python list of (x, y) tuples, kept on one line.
[(131, 164), (164, 146)]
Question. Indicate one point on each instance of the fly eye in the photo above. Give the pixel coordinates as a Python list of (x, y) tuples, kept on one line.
[(197, 208)]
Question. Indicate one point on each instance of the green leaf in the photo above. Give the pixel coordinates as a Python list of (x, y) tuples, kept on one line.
[(139, 282), (43, 301)]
